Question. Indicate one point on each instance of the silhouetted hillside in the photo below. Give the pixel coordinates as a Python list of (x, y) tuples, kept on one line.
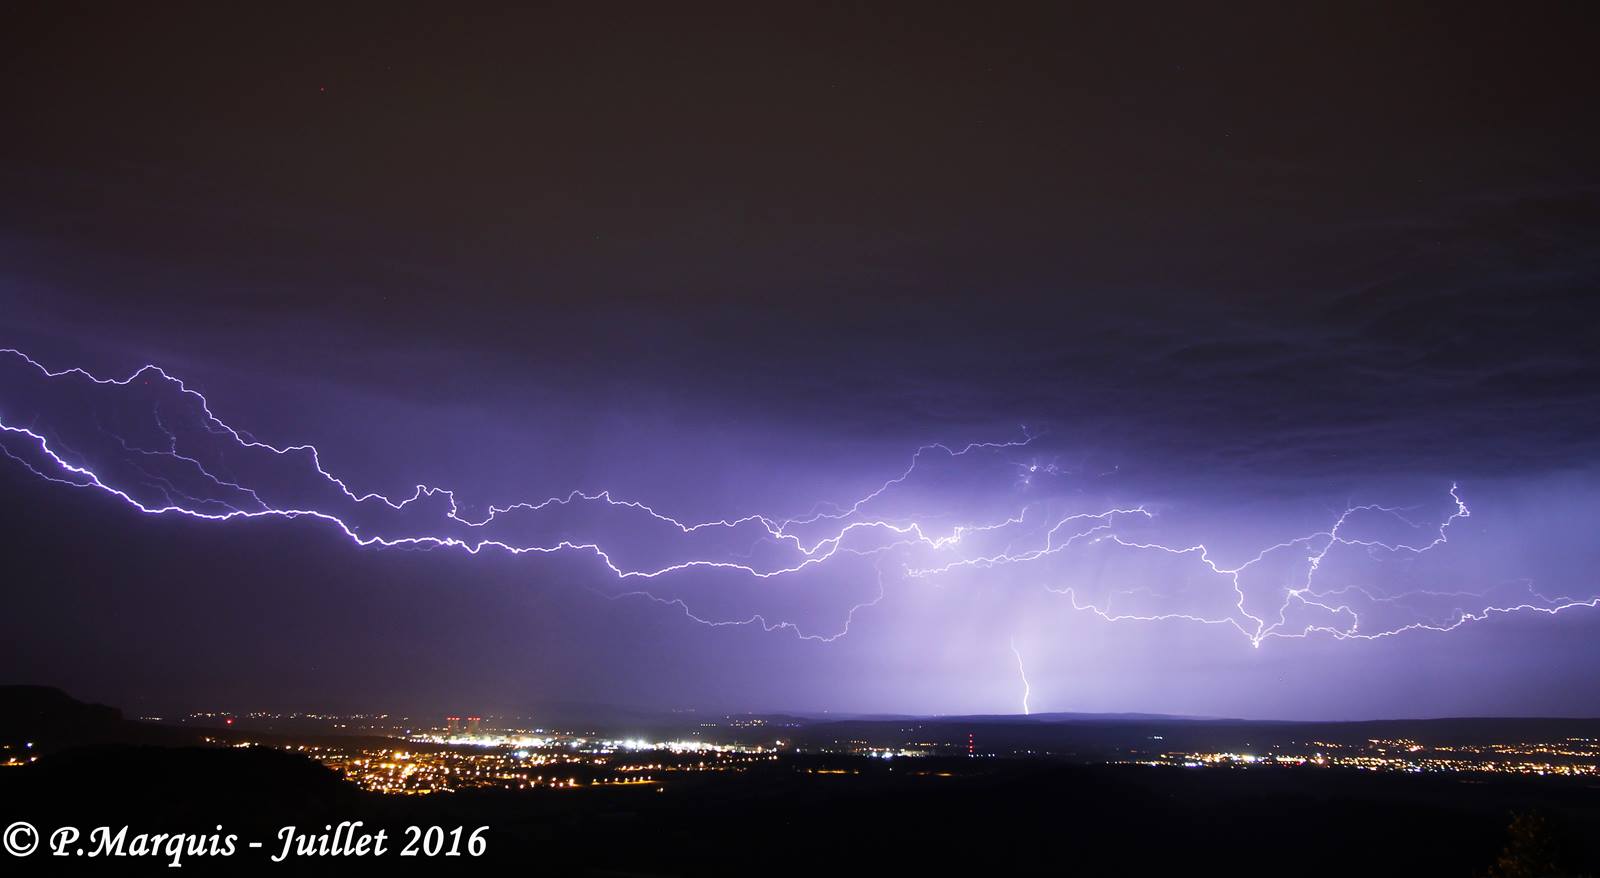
[(53, 720), (44, 713)]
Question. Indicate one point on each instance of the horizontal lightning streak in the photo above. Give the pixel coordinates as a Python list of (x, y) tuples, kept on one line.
[(846, 530)]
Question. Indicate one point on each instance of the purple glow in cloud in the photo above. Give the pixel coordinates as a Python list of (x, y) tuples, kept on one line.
[(154, 443)]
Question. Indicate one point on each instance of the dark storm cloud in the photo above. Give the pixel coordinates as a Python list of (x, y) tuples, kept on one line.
[(1451, 342), (1457, 339), (1267, 244), (1289, 243), (1468, 347)]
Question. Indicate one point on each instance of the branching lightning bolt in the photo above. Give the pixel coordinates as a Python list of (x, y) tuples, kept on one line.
[(198, 469)]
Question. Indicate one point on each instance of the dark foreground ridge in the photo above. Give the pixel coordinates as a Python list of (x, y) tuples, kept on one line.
[(811, 813)]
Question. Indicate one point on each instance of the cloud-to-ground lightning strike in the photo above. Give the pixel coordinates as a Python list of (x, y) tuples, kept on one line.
[(1022, 671), (192, 463)]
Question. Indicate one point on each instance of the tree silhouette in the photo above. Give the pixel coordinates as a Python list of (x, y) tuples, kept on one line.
[(1531, 850)]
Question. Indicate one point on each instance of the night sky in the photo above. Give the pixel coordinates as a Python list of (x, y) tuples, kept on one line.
[(1232, 273)]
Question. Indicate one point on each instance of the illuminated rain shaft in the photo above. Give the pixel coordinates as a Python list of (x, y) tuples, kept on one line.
[(154, 444)]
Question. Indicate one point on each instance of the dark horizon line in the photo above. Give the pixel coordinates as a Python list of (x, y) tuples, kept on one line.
[(815, 716)]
